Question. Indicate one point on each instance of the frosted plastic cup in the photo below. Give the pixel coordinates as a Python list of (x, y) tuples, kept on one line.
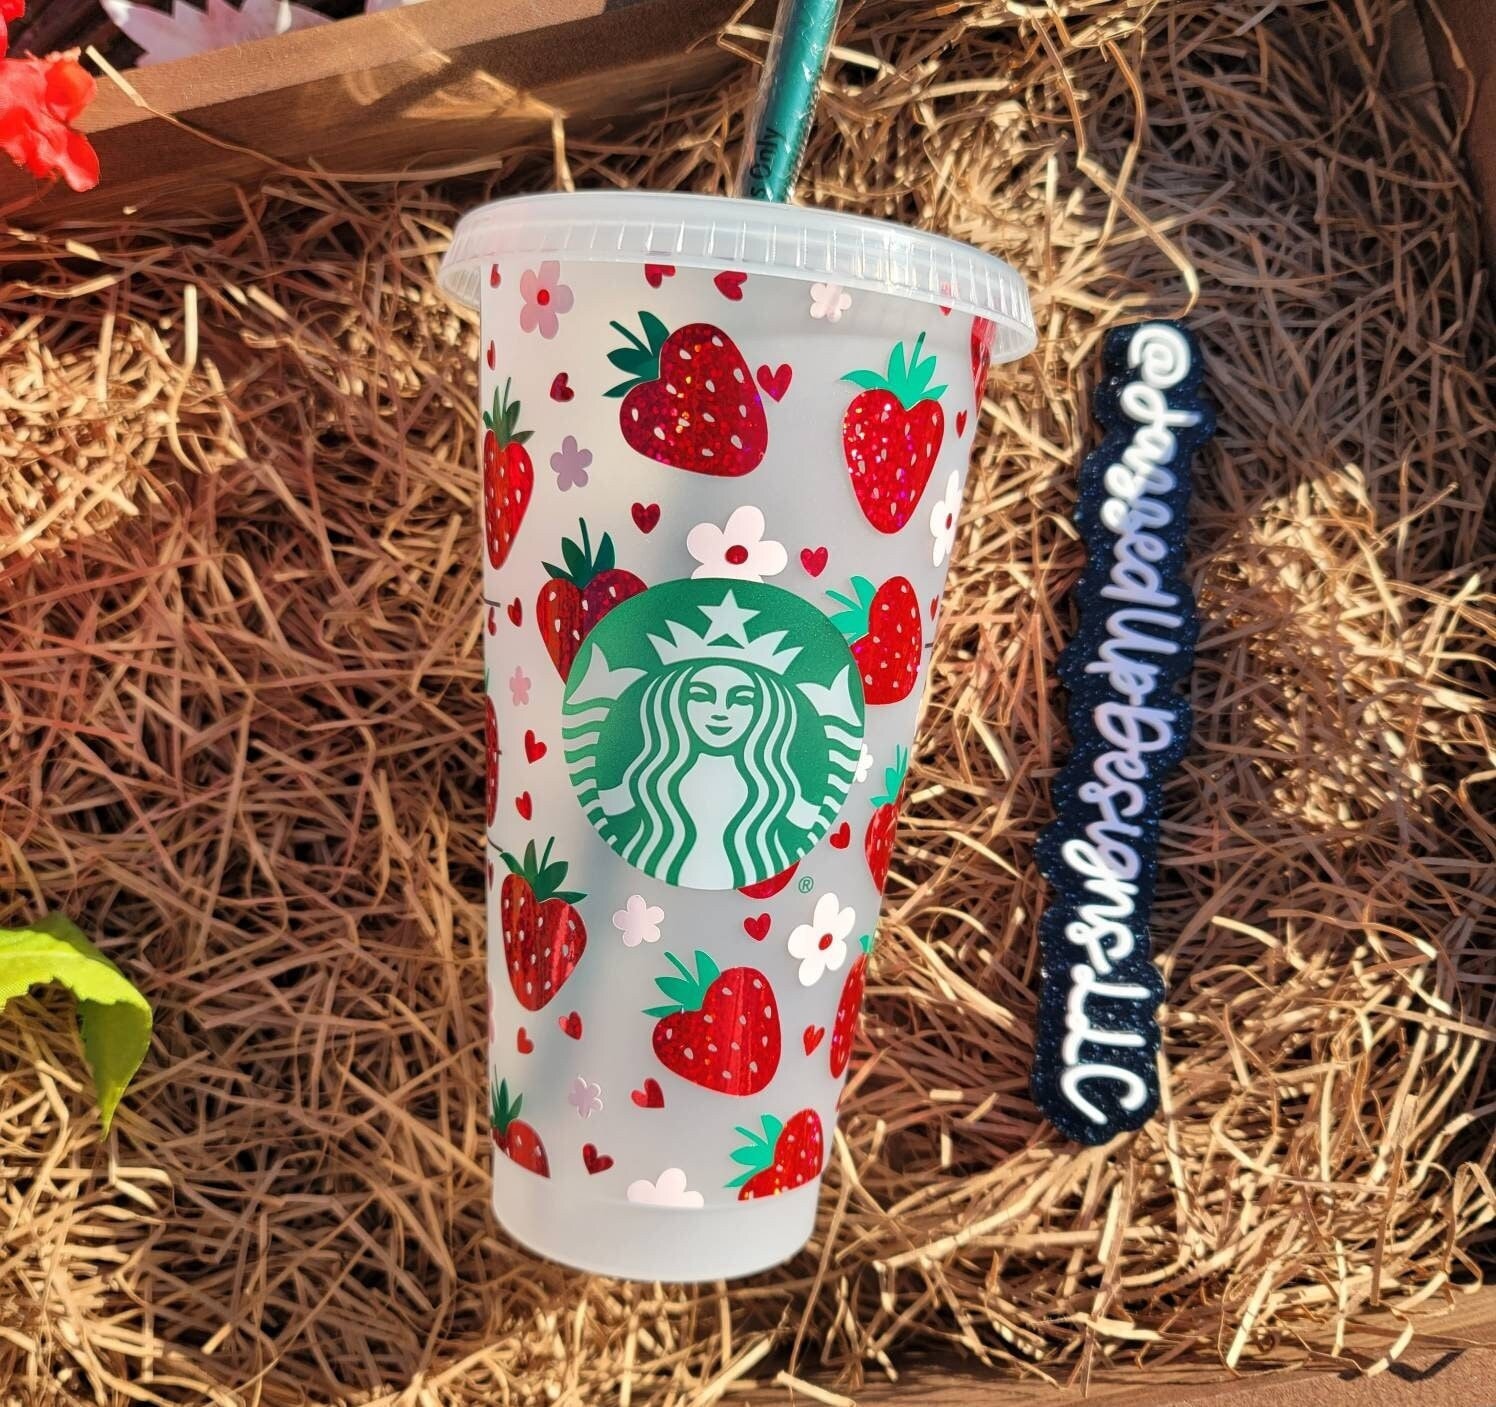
[(723, 446)]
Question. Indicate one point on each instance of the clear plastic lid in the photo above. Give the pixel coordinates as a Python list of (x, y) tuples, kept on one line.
[(714, 232)]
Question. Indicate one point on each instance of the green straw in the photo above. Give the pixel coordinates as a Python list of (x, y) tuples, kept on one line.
[(780, 122)]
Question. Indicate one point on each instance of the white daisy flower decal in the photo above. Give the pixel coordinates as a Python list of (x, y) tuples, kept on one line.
[(829, 301), (820, 946), (585, 1097), (638, 921), (864, 763), (738, 550), (943, 518)]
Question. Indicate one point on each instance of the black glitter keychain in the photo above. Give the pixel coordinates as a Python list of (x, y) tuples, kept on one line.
[(1095, 1060)]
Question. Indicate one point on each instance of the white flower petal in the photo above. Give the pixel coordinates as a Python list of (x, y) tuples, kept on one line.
[(667, 1190), (707, 544)]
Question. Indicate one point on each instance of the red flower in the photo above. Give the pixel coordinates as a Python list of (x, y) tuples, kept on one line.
[(39, 99)]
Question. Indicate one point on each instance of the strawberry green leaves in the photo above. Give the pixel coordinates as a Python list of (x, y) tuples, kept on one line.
[(639, 360), (907, 378), (114, 1018), (686, 992), (757, 1154), (544, 876), (503, 419)]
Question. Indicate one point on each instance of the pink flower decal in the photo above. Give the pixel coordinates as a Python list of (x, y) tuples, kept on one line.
[(570, 464), (545, 299)]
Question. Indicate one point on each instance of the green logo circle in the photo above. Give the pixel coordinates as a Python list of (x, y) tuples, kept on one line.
[(712, 730)]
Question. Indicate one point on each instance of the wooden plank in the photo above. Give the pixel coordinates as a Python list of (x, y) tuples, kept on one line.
[(425, 86), (1450, 1363)]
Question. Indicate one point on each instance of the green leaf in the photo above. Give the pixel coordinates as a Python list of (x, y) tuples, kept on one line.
[(605, 558), (868, 380), (576, 560), (114, 1017), (628, 359), (655, 330), (621, 390)]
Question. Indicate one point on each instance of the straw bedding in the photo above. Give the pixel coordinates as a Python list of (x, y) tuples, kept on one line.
[(242, 746)]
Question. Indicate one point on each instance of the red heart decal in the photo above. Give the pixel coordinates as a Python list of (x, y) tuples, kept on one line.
[(944, 311), (651, 1096), (571, 1025), (490, 356), (522, 1042), (813, 559), (813, 1037), (934, 607), (757, 927), (775, 382), (526, 807), (960, 423), (493, 622), (516, 611), (493, 275), (561, 388), (596, 1162), (646, 516), (655, 274), (534, 748), (841, 837), (730, 284)]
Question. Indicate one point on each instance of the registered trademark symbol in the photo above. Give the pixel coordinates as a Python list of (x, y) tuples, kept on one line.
[(806, 884)]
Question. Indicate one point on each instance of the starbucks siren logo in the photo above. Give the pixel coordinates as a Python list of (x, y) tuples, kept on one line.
[(712, 730)]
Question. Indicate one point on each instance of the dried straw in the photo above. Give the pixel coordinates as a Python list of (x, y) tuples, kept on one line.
[(238, 693)]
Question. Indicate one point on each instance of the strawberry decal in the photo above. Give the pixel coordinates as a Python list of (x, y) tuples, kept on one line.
[(720, 1029), (579, 595), (490, 753), (512, 1136), (983, 330), (886, 632), (508, 476), (878, 843), (782, 1157), (544, 937), (689, 400), (848, 1008), (891, 435)]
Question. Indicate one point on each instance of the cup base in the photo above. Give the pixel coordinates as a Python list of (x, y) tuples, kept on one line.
[(631, 1241)]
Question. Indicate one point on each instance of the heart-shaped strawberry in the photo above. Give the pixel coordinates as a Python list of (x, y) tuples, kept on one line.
[(561, 388), (544, 936), (534, 748), (571, 1025), (516, 611), (656, 274), (813, 1036), (730, 284), (651, 1096), (775, 381), (646, 516), (524, 805), (814, 559), (522, 1041), (757, 927), (594, 1161), (689, 400), (841, 837)]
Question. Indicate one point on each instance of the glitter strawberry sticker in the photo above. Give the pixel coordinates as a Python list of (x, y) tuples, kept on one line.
[(891, 435), (579, 594), (511, 1135), (719, 1030), (781, 1156), (886, 633), (878, 842), (848, 1008), (490, 754), (544, 937), (689, 400), (508, 476), (982, 332)]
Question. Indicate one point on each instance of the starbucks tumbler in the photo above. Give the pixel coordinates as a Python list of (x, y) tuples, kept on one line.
[(723, 448)]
